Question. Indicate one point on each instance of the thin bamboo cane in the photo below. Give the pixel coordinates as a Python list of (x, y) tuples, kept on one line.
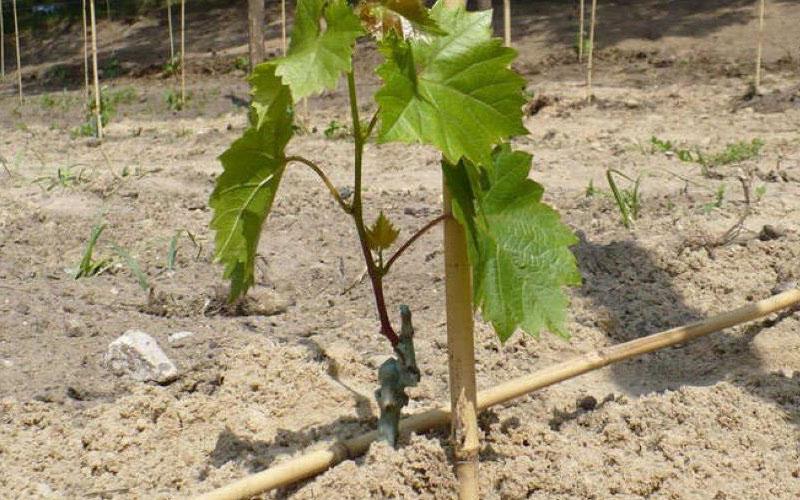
[(507, 22), (171, 37), (16, 43), (183, 53), (318, 461), (590, 61), (581, 30), (759, 49), (97, 113), (2, 44), (283, 26), (108, 10), (86, 90)]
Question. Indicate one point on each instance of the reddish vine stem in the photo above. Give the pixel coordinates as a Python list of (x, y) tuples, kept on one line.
[(411, 240), (375, 275)]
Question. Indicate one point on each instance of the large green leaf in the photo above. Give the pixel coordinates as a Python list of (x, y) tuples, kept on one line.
[(518, 246), (455, 92), (253, 167), (321, 47)]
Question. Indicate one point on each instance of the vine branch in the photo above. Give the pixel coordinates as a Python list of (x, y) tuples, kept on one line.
[(316, 168), (412, 239)]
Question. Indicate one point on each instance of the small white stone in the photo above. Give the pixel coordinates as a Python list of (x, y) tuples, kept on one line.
[(176, 338), (139, 356), (6, 363)]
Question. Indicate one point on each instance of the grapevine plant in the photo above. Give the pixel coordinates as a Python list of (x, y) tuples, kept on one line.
[(447, 83)]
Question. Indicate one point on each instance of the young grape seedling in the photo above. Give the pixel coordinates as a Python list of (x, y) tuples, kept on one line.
[(447, 83)]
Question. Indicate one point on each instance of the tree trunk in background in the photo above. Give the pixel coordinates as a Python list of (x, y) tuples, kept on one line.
[(255, 28), (483, 4), (16, 44), (95, 77), (2, 44)]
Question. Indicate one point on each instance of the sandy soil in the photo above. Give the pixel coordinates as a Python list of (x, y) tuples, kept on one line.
[(718, 418)]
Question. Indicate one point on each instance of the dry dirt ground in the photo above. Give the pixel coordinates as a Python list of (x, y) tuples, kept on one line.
[(718, 418)]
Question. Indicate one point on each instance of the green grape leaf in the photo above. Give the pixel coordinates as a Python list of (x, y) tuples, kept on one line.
[(517, 245), (455, 92), (253, 166), (382, 234), (317, 56)]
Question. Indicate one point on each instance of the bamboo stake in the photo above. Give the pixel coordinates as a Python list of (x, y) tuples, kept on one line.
[(85, 51), (460, 346), (255, 32), (589, 62), (108, 10), (283, 26), (171, 38), (183, 53), (97, 113), (16, 42), (581, 30), (2, 44), (507, 22), (316, 462), (762, 7)]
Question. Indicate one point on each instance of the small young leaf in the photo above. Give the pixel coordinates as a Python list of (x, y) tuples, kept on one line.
[(253, 167), (376, 12), (517, 245), (317, 56), (382, 234), (455, 92)]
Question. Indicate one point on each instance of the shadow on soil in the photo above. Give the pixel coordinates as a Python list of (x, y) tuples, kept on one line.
[(622, 279), (557, 20)]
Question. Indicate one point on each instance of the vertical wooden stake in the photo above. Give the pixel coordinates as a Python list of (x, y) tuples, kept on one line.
[(16, 41), (507, 22), (86, 91), (97, 113), (581, 29), (255, 30), (283, 26), (460, 346), (108, 10), (590, 59), (2, 44), (183, 53), (171, 38), (759, 49)]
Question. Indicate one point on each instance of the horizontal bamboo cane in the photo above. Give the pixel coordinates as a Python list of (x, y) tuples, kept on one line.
[(316, 462)]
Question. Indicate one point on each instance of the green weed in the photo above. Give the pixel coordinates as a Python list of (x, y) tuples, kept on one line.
[(336, 130), (719, 199), (174, 101), (89, 267), (629, 200), (241, 63), (64, 178)]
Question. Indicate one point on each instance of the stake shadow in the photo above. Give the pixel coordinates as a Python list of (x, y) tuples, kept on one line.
[(638, 297), (257, 455)]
